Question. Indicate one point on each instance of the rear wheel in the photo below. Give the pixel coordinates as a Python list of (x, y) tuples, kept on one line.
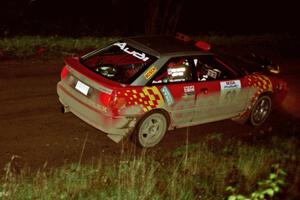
[(261, 110), (151, 130)]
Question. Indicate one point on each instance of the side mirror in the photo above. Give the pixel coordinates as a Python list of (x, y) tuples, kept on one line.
[(260, 59), (265, 63), (273, 68)]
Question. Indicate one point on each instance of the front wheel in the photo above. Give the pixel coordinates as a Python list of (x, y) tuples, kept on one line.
[(151, 130), (261, 110)]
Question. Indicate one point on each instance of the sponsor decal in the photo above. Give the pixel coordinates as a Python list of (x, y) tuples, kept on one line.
[(150, 72), (189, 89), (176, 72), (228, 85), (230, 91), (167, 95), (123, 46), (212, 73)]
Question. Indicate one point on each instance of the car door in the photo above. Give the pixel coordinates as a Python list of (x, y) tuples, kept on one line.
[(175, 82), (219, 90)]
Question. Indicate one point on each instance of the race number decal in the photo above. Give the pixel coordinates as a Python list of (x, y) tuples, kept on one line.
[(229, 91)]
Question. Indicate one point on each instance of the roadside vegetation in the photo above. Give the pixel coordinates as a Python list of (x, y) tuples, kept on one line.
[(25, 46), (213, 169), (216, 168)]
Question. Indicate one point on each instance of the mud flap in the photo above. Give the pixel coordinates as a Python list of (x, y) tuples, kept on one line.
[(240, 119), (124, 132), (116, 138)]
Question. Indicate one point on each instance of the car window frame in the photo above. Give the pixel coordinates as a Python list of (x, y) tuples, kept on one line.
[(164, 67), (236, 74), (99, 50)]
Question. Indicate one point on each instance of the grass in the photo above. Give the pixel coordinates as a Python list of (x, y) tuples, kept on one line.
[(209, 168), (24, 46), (194, 171), (255, 40)]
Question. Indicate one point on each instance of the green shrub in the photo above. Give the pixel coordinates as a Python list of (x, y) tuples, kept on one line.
[(213, 169)]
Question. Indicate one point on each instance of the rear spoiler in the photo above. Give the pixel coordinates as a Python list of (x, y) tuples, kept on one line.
[(265, 63)]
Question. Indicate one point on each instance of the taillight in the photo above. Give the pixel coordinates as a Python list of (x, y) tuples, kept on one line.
[(104, 99), (119, 103), (112, 101), (64, 73)]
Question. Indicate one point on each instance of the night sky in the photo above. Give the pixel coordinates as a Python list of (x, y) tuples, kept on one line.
[(117, 17)]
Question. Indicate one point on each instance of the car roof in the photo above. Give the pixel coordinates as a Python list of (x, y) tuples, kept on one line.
[(162, 45)]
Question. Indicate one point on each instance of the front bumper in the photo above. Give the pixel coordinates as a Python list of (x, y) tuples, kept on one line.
[(116, 127)]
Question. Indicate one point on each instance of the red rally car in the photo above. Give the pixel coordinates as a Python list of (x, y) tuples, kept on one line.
[(140, 87)]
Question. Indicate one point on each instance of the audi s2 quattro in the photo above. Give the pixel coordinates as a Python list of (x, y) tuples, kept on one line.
[(141, 87)]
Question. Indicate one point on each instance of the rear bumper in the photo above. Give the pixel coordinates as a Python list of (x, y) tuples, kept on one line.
[(116, 127)]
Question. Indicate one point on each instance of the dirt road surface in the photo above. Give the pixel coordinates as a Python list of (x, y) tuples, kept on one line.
[(33, 128)]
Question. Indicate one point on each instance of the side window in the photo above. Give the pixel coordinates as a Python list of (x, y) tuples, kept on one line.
[(175, 70), (210, 68)]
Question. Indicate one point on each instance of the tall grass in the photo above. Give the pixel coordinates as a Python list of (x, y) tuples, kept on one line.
[(24, 46), (209, 168), (263, 40)]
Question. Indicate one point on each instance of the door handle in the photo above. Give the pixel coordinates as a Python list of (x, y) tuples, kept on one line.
[(204, 90)]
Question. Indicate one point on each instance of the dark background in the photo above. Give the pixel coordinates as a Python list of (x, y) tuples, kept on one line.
[(133, 17)]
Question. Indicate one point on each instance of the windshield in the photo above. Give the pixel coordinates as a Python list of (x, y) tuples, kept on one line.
[(118, 62)]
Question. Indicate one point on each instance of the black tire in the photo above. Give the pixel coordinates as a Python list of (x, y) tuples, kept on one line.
[(150, 130), (261, 110)]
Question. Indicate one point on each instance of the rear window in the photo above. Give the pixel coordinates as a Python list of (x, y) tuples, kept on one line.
[(118, 62)]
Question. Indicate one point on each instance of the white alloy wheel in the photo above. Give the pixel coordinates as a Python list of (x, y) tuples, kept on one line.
[(151, 130)]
